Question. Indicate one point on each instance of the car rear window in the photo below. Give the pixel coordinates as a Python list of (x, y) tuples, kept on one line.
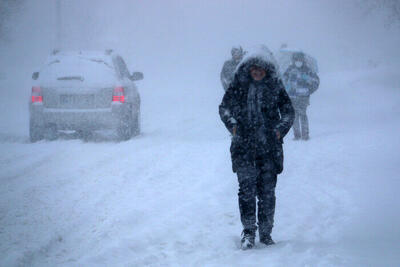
[(81, 69)]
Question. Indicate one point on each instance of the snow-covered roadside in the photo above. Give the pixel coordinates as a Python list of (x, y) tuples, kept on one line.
[(371, 125), (168, 197)]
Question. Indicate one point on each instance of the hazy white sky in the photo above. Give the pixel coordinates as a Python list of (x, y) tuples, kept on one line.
[(189, 40)]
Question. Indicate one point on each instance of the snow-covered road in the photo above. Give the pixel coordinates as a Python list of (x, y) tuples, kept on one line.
[(169, 198)]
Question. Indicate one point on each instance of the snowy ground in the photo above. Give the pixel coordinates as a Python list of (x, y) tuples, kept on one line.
[(169, 198)]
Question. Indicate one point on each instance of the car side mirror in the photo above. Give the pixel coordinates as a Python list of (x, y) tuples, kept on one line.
[(35, 75), (137, 76)]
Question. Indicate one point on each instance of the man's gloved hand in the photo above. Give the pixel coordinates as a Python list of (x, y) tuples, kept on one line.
[(234, 130), (278, 134)]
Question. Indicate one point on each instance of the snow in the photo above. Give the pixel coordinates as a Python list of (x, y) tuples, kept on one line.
[(169, 198)]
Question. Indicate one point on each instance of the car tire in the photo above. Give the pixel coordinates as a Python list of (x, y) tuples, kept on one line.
[(51, 132), (125, 127), (85, 135), (136, 124), (35, 131)]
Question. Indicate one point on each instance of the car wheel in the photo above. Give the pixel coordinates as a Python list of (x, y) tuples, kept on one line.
[(51, 133), (136, 124), (85, 135), (125, 127), (35, 131)]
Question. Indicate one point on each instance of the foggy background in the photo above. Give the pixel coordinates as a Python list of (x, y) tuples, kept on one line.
[(181, 45)]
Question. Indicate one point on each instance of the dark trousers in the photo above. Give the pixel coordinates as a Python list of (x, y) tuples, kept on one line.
[(257, 181), (300, 125)]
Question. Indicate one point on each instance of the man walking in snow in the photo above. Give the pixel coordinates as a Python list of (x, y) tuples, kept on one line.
[(258, 113), (301, 82), (229, 67)]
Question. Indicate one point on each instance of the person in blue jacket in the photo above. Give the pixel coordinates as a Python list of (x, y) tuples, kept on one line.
[(300, 82)]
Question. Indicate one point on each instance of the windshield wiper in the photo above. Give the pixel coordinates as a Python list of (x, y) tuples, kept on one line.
[(71, 78), (53, 62)]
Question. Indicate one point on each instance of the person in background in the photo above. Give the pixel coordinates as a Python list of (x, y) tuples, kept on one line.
[(258, 113), (301, 82), (229, 67)]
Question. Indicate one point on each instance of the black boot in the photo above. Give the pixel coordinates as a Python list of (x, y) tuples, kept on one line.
[(248, 239), (266, 240)]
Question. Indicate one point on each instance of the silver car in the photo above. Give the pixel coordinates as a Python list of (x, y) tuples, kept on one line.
[(84, 92)]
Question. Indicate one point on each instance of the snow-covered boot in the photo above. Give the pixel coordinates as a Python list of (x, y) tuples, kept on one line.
[(266, 240), (248, 239)]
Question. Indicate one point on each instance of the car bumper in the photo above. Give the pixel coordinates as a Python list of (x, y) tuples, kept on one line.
[(80, 119)]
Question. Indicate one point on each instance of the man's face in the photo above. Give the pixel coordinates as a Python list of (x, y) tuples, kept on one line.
[(237, 56), (298, 63), (257, 73)]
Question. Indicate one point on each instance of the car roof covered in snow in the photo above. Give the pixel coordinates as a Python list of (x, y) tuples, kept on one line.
[(105, 56)]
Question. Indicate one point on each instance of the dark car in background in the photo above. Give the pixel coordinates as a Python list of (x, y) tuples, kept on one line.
[(84, 91)]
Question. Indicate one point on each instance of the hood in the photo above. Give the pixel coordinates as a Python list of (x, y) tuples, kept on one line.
[(260, 56), (284, 58)]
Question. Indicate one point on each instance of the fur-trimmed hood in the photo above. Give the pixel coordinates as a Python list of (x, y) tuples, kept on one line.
[(259, 56)]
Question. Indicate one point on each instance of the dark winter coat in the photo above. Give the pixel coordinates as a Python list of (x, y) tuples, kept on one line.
[(300, 84), (277, 112)]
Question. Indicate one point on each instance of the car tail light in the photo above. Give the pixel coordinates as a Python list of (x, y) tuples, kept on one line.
[(118, 95), (37, 94)]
